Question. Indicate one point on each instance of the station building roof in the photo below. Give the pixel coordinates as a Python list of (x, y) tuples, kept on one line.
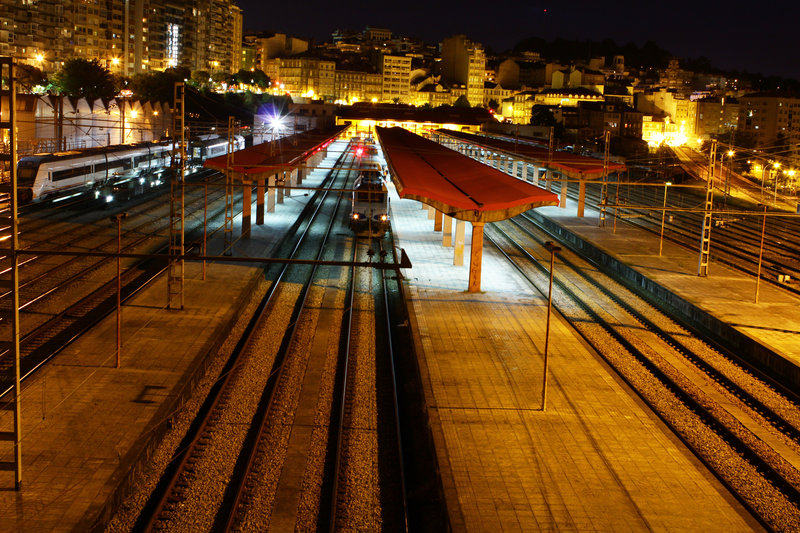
[(453, 183), (270, 157), (571, 165)]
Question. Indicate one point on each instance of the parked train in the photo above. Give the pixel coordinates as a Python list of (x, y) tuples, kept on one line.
[(109, 172), (369, 213)]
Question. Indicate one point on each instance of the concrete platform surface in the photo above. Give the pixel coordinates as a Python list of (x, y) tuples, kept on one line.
[(596, 460)]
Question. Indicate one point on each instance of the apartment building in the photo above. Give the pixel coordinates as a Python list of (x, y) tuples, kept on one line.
[(767, 115), (464, 63), (126, 36), (716, 116), (353, 86), (395, 78), (308, 77)]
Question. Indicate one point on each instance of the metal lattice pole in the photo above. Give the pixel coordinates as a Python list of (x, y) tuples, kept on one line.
[(176, 274), (705, 238), (604, 187), (10, 246), (228, 233)]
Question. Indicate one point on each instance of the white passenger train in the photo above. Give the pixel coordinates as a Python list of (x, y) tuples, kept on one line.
[(369, 214), (109, 172)]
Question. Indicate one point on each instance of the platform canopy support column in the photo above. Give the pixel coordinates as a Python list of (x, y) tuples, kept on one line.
[(514, 169), (431, 212), (581, 197), (260, 200), (524, 171), (563, 196), (458, 249), (447, 231), (548, 177), (291, 181), (301, 173), (271, 193), (281, 185), (437, 220), (247, 201), (475, 256)]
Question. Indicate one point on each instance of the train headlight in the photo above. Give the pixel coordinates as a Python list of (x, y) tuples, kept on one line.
[(384, 218), (96, 195), (355, 216), (109, 198)]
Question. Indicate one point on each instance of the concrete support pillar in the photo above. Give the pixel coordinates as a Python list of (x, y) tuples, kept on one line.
[(524, 171), (563, 196), (260, 201), (247, 200), (548, 175), (535, 176), (581, 197), (281, 185), (458, 249), (475, 256), (271, 193), (291, 181), (301, 173), (509, 164), (447, 230), (514, 165), (437, 220), (431, 212)]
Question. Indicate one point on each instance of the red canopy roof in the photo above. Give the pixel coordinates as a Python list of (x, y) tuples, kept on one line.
[(572, 165), (454, 183), (271, 156)]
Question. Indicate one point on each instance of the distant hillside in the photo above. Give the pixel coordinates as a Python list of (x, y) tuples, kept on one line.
[(649, 55), (644, 57)]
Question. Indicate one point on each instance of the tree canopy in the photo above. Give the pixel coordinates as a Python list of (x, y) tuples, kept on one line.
[(83, 78)]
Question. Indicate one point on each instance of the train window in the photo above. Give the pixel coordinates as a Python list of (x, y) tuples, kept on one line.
[(26, 175), (70, 173)]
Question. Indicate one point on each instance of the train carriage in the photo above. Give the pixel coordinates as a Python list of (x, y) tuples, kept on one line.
[(369, 213)]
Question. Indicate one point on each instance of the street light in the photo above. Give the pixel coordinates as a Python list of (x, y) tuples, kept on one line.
[(550, 245), (663, 215), (722, 169)]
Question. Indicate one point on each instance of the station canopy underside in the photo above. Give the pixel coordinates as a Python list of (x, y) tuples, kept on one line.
[(273, 156), (573, 166), (453, 183)]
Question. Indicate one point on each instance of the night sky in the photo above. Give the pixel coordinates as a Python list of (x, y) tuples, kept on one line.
[(758, 37)]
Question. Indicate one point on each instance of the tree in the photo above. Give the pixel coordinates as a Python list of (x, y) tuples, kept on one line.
[(82, 78), (542, 116), (494, 105), (157, 86), (461, 101), (29, 77), (200, 78)]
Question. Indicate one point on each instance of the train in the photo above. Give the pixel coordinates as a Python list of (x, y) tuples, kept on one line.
[(369, 213), (110, 172)]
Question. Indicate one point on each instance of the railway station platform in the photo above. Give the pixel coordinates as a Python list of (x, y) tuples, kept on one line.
[(597, 459), (86, 423)]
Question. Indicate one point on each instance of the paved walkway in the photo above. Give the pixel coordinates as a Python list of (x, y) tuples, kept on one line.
[(596, 460)]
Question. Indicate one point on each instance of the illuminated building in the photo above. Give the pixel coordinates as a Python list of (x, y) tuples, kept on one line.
[(125, 36), (767, 115), (309, 77), (395, 78), (464, 62), (352, 86), (716, 116)]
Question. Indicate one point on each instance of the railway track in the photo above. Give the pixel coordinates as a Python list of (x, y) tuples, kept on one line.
[(743, 427), (259, 452), (735, 239), (62, 301)]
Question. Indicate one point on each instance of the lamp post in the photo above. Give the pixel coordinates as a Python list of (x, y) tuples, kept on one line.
[(761, 251), (663, 215), (118, 218), (550, 245), (775, 173), (729, 153)]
